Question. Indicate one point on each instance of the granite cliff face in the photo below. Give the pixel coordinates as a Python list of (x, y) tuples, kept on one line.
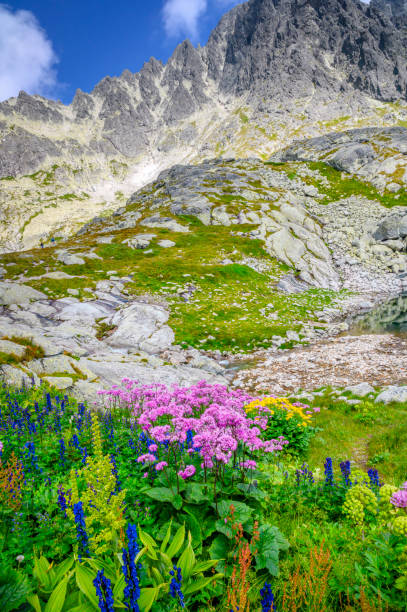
[(395, 9), (272, 71)]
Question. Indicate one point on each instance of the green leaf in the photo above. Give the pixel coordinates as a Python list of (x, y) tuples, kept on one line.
[(166, 538), (270, 544), (242, 511), (85, 607), (118, 591), (165, 559), (252, 491), (177, 542), (200, 584), (177, 501), (34, 601), (187, 561), (225, 528), (194, 528), (157, 576), (57, 599), (149, 542), (42, 572), (194, 493), (14, 589), (219, 548), (401, 583), (161, 494), (84, 580), (63, 568), (108, 568), (203, 566), (147, 598), (140, 554)]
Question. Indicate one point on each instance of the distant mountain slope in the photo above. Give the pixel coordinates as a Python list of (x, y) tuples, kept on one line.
[(272, 71)]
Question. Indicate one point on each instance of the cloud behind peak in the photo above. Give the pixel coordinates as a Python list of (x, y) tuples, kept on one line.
[(27, 56)]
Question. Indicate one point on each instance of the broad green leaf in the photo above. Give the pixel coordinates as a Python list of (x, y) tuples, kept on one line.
[(72, 599), (118, 590), (157, 577), (85, 607), (108, 568), (63, 568), (194, 528), (203, 566), (242, 511), (219, 548), (84, 580), (401, 583), (147, 598), (161, 494), (176, 542), (224, 527), (149, 542), (177, 501), (252, 491), (34, 601), (167, 537), (140, 554), (187, 561), (165, 559), (270, 544), (194, 493), (57, 599), (42, 571), (201, 583)]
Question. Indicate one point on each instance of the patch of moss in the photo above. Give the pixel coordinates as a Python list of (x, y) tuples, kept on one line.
[(103, 329), (32, 351)]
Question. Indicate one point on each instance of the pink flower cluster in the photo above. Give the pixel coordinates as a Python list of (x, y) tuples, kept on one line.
[(399, 499), (214, 414), (248, 465), (188, 472)]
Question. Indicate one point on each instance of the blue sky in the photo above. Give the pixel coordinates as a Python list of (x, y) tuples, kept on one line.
[(52, 47)]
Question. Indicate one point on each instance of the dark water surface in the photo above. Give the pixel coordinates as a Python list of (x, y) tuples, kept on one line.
[(390, 317)]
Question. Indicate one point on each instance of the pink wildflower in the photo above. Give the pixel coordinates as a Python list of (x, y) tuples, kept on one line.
[(146, 458), (153, 448), (248, 465), (160, 466), (188, 472), (399, 499)]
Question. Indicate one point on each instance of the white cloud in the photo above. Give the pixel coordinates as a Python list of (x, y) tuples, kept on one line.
[(27, 57), (182, 16)]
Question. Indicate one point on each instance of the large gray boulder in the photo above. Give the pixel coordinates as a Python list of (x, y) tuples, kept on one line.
[(351, 157), (141, 326), (14, 293), (392, 394)]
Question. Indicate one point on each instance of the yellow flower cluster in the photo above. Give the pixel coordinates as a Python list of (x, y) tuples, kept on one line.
[(359, 499), (278, 403), (400, 525), (387, 512), (102, 504)]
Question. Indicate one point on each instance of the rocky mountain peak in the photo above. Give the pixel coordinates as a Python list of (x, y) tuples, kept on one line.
[(277, 48), (272, 71)]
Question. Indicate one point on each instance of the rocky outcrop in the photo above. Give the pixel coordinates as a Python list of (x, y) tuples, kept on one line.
[(394, 9), (378, 155), (76, 360)]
